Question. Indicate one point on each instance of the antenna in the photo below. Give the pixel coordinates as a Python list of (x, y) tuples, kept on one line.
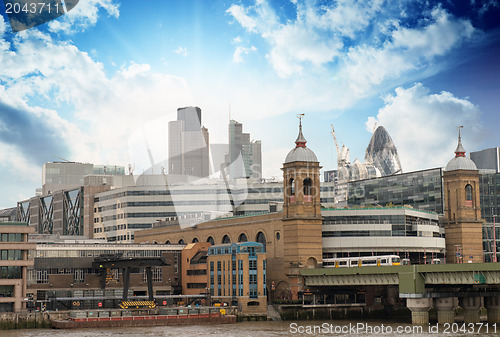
[(66, 160)]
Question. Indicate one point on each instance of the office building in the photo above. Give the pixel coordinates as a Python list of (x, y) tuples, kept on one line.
[(382, 153), (8, 214), (68, 211), (421, 190), (14, 261), (188, 144), (237, 276), (489, 195), (245, 156), (402, 231), (69, 175), (194, 268), (487, 159)]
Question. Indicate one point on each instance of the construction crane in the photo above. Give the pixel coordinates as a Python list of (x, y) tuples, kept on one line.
[(342, 155)]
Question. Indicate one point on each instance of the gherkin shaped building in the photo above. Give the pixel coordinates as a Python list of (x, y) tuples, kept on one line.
[(382, 153)]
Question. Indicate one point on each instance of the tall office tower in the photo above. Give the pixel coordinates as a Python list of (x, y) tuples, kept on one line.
[(188, 143), (487, 159), (250, 162), (382, 153)]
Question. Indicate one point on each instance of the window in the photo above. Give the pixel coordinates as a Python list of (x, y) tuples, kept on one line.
[(211, 240), (468, 195), (261, 238), (226, 239), (242, 238), (307, 186)]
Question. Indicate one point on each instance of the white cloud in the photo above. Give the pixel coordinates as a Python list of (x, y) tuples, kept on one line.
[(240, 51), (104, 109), (410, 52), (423, 125), (241, 15), (181, 51), (357, 46), (83, 15)]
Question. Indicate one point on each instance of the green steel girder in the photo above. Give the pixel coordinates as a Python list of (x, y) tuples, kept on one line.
[(411, 279), (349, 280)]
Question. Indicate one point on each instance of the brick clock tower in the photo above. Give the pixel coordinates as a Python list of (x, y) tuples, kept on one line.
[(462, 215), (301, 212)]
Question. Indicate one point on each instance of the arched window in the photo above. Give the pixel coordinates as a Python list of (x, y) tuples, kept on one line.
[(261, 238), (291, 190), (468, 195), (307, 189), (226, 239), (211, 240), (167, 242), (194, 240), (242, 238), (181, 242)]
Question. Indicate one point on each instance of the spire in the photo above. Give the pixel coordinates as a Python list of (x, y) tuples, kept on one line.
[(460, 151), (301, 141)]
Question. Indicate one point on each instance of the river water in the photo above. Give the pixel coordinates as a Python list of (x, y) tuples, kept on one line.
[(289, 328)]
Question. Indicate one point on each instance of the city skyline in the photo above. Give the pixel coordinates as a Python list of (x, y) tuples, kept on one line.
[(80, 87)]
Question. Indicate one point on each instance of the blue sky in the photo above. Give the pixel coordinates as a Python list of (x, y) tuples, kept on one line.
[(84, 86)]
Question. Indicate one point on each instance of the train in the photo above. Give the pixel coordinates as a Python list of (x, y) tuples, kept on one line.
[(364, 261)]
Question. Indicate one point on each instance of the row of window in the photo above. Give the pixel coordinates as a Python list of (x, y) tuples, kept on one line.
[(11, 272), (11, 237), (11, 254)]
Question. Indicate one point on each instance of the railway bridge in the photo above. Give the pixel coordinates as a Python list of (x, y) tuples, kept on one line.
[(445, 286)]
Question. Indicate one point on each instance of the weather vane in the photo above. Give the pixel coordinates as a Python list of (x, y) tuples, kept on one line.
[(300, 116)]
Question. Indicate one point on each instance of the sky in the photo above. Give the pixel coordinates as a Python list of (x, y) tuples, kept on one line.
[(91, 85)]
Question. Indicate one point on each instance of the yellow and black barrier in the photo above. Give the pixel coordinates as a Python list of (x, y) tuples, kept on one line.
[(138, 304)]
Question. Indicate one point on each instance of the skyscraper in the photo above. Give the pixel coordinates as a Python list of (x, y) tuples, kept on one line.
[(188, 143), (382, 153), (245, 157)]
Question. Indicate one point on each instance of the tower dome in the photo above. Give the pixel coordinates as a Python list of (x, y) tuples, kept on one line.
[(301, 152), (460, 162)]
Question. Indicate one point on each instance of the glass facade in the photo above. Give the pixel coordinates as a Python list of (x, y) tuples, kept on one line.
[(422, 190), (489, 194)]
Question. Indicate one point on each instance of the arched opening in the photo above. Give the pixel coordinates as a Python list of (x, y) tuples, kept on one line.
[(226, 239), (168, 242), (261, 238), (291, 190), (211, 240), (308, 190), (194, 240), (181, 242), (311, 263), (242, 238), (468, 195)]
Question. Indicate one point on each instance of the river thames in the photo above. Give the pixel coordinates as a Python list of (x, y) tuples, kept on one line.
[(289, 328)]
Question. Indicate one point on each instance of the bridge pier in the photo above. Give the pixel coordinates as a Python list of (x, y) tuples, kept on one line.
[(419, 308), (446, 309), (471, 306), (492, 305)]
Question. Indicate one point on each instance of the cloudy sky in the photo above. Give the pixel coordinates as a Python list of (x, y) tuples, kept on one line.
[(86, 86)]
